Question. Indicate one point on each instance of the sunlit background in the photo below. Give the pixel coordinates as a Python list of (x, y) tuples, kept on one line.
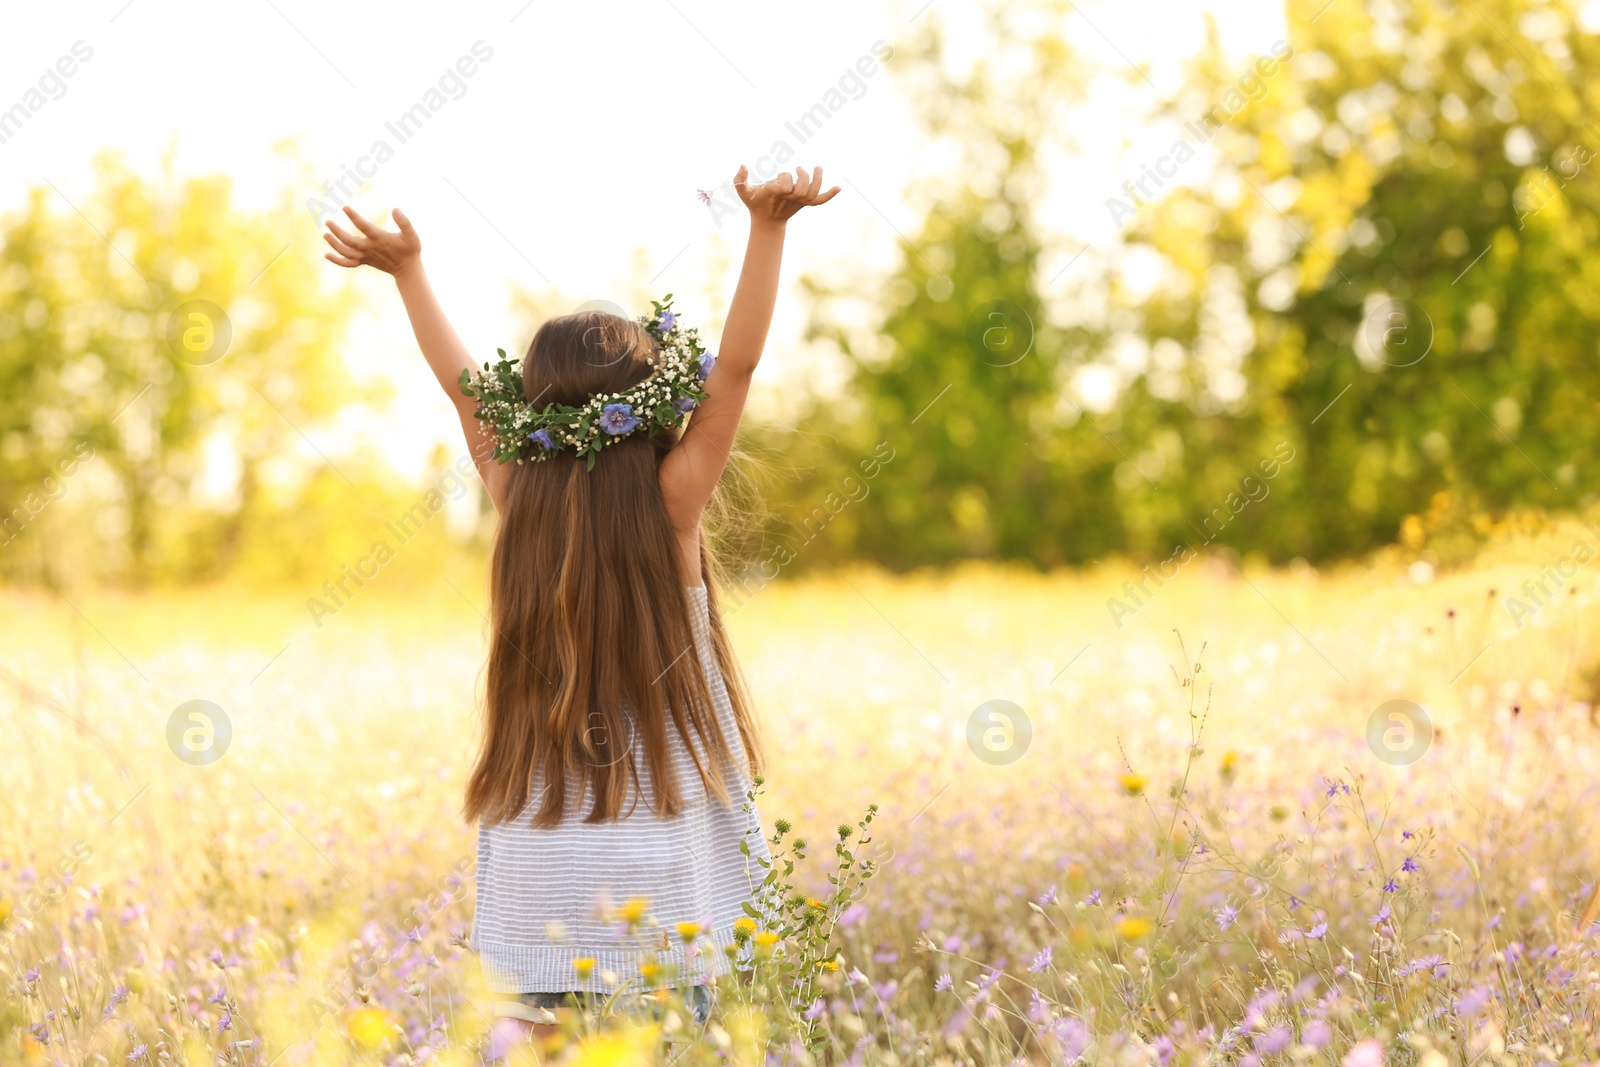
[(1168, 496)]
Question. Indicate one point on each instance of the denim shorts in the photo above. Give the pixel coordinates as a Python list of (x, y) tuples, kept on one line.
[(541, 1008)]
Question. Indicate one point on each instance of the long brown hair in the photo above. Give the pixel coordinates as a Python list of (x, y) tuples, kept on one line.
[(592, 654)]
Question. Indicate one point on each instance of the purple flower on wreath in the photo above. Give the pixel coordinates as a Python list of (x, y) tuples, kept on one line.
[(544, 440), (707, 362), (685, 404), (666, 322), (618, 419)]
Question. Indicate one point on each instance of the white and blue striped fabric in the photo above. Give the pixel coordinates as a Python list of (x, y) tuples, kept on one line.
[(542, 893)]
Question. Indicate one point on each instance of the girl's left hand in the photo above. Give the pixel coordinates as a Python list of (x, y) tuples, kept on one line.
[(387, 250)]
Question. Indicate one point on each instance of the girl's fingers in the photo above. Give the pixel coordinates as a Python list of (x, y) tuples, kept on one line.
[(816, 183), (362, 224), (341, 260), (741, 183), (783, 184), (404, 223), (802, 184), (349, 239), (341, 247), (825, 197)]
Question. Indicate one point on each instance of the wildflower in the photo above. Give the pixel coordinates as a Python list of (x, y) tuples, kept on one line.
[(1317, 932), (1093, 898), (743, 928), (813, 902), (369, 1027), (817, 1010), (828, 965), (1317, 1033), (628, 1048), (707, 363), (649, 972), (688, 932), (1365, 1053), (943, 983), (666, 322), (137, 1052), (1382, 916), (1133, 927), (1133, 784), (685, 404), (1226, 916), (1228, 767), (766, 939), (584, 966), (1294, 902), (1046, 898), (1391, 886), (225, 1023), (6, 908), (1041, 960), (544, 440), (1275, 1040), (616, 419), (1472, 1002), (633, 909), (705, 197), (1409, 865)]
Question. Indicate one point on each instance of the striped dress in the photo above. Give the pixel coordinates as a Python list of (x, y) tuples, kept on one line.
[(541, 892)]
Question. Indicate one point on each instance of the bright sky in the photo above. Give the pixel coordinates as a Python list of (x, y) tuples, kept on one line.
[(567, 161)]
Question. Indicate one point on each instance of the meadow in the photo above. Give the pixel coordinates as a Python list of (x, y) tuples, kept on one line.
[(1204, 854)]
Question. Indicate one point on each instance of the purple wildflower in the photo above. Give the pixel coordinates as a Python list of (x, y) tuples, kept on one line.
[(1275, 1040), (1317, 1033), (1391, 886), (1093, 898), (817, 1010), (1472, 1002), (225, 1023), (138, 1051), (544, 439), (1409, 865), (666, 322), (707, 362), (618, 419), (1227, 915), (1317, 932), (1041, 961), (943, 983), (1294, 902), (685, 404)]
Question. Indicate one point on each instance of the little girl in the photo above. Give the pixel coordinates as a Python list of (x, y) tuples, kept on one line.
[(618, 745)]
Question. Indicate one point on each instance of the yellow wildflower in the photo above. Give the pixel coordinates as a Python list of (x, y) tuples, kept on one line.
[(370, 1026), (5, 909), (650, 971), (766, 939), (634, 1047), (1229, 760), (827, 965), (688, 931), (584, 965), (1133, 928), (1133, 784), (633, 910), (743, 928)]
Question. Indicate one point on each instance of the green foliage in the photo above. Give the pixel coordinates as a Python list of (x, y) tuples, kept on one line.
[(102, 364), (1437, 156)]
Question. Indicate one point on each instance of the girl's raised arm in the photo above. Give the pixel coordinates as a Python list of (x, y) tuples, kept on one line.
[(691, 471), (400, 255)]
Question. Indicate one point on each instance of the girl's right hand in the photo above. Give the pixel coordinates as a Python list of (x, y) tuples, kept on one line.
[(391, 252), (779, 199)]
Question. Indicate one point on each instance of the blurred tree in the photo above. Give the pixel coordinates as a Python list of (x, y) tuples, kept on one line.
[(957, 369), (1404, 225), (181, 342), (1374, 310)]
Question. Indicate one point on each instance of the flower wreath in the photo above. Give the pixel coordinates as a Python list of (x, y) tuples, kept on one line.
[(662, 401)]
